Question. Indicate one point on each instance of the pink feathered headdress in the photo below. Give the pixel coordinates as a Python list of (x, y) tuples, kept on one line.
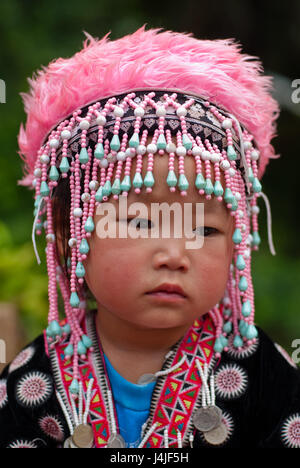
[(149, 59)]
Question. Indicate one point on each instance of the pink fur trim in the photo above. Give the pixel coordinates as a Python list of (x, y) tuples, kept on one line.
[(153, 59)]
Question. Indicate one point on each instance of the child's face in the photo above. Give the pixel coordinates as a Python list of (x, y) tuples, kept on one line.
[(120, 271)]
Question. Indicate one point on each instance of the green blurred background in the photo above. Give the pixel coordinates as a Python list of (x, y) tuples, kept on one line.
[(34, 32)]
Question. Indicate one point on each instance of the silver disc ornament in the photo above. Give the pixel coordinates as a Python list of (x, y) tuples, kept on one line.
[(207, 418)]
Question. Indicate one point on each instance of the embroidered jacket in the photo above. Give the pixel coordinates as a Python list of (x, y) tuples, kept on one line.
[(257, 390)]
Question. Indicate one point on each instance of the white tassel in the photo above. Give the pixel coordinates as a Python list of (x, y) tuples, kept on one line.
[(269, 222)]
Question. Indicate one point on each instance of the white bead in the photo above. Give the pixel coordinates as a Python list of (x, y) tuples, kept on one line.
[(84, 125), (104, 163), (118, 111), (254, 155), (34, 182), (243, 227), (109, 157), (141, 149), (44, 159), (45, 225), (241, 213), (233, 282), (238, 196), (224, 165), (139, 112), (65, 135), (37, 172), (249, 239), (247, 253), (171, 148), (85, 197), (93, 185), (160, 111), (54, 143), (205, 155), (121, 156), (196, 151), (152, 148), (226, 301), (231, 267), (255, 209), (181, 151), (50, 237), (215, 157), (227, 123), (247, 145), (101, 120), (77, 212), (231, 172), (72, 242), (181, 111)]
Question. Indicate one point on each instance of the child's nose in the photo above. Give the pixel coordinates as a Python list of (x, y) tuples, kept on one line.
[(171, 254)]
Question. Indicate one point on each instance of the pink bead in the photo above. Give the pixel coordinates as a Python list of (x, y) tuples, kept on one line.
[(148, 189)]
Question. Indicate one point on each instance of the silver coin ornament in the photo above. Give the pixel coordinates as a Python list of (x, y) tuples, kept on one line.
[(83, 436), (67, 442), (116, 441), (207, 418), (216, 436), (146, 378)]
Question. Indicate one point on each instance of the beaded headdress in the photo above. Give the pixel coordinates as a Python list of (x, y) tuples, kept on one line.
[(94, 112)]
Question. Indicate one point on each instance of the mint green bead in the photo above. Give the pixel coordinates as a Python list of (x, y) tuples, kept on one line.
[(83, 156), (256, 185), (224, 340), (238, 342), (246, 308), (99, 194), (64, 166), (89, 225), (231, 154), (138, 180), (149, 179), (237, 236), (115, 143), (116, 188), (243, 285), (74, 299), (227, 312), (227, 327), (251, 332), (250, 175), (53, 174), (86, 341), (81, 349), (126, 184), (243, 326), (55, 328), (234, 205), (255, 238), (84, 246), (218, 189), (74, 387), (106, 189), (183, 182), (240, 262), (218, 346), (161, 142), (69, 350), (37, 201), (44, 190), (66, 329), (186, 142), (172, 179), (200, 182), (80, 271), (134, 141), (228, 196), (209, 188), (99, 152)]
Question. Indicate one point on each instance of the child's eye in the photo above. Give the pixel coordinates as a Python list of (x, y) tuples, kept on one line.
[(144, 223), (206, 231)]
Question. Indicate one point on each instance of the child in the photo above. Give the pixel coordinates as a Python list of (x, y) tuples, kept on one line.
[(171, 356)]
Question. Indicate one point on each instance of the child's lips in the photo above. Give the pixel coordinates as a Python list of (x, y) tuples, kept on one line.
[(166, 296)]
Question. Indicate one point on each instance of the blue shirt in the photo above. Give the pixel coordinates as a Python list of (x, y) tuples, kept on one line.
[(132, 404)]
